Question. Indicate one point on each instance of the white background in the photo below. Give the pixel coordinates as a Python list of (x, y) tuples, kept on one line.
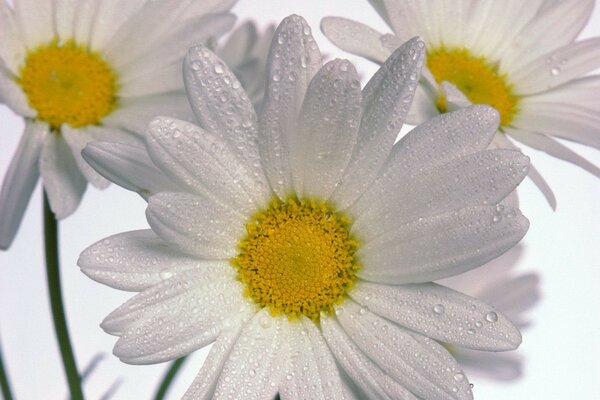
[(562, 348)]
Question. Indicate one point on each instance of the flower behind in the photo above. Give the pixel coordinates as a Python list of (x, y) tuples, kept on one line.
[(303, 242)]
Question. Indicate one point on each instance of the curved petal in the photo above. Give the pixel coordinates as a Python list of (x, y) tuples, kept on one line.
[(262, 350), (62, 180), (134, 261), (196, 225), (440, 246), (355, 38), (128, 166), (20, 180), (386, 101), (440, 313), (327, 130), (418, 363), (294, 59), (203, 163), (13, 96)]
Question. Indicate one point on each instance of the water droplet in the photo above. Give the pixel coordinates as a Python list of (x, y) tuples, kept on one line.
[(471, 331), (439, 309), (459, 377), (491, 316), (265, 321), (218, 68), (555, 71), (252, 373)]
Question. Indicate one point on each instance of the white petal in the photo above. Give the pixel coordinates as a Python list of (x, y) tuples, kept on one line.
[(12, 49), (110, 16), (482, 178), (372, 381), (386, 101), (62, 180), (223, 108), (35, 19), (178, 316), (13, 96), (419, 364), (20, 180), (455, 99), (156, 81), (567, 63), (572, 121), (202, 162), (355, 38), (134, 261), (257, 362), (237, 49), (312, 371), (128, 166), (64, 18), (554, 148), (203, 387), (196, 225), (134, 114), (328, 126), (440, 313), (440, 246), (294, 59)]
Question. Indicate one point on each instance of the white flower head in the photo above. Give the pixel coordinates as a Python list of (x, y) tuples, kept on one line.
[(303, 242), (79, 71), (520, 57)]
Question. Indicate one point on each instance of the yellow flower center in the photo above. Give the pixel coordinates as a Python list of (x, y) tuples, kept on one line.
[(298, 258), (476, 78), (68, 84)]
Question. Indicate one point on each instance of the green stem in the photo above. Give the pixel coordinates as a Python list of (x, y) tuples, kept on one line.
[(56, 303), (168, 378), (4, 384)]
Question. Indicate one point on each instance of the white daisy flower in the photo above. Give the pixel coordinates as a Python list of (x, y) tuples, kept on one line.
[(303, 242), (510, 293), (245, 53), (82, 70), (520, 57)]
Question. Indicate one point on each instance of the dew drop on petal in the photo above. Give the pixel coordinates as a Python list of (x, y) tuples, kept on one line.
[(439, 309), (491, 316)]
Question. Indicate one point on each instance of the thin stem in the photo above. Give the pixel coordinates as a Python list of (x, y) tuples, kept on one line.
[(4, 383), (169, 378), (56, 303)]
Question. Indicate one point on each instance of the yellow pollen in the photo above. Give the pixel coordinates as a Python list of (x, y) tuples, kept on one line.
[(68, 84), (476, 78), (297, 258)]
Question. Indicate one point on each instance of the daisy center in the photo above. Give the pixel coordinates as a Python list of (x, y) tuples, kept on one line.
[(298, 258), (67, 84), (476, 78)]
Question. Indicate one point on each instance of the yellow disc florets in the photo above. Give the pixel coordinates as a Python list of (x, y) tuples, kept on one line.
[(68, 84), (476, 78), (298, 258)]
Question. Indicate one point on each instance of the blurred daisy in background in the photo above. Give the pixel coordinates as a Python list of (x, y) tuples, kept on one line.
[(520, 57), (514, 294), (290, 240), (80, 70)]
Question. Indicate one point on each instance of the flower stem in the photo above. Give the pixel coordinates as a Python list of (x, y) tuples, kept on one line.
[(4, 384), (169, 378), (56, 303)]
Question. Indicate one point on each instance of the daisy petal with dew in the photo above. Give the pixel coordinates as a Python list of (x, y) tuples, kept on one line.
[(302, 242), (522, 58), (79, 71)]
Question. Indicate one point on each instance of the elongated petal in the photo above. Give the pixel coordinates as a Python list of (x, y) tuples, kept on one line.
[(355, 38), (262, 349), (385, 107), (328, 126), (294, 59), (35, 20), (312, 368), (240, 43), (567, 63), (13, 96), (203, 163), (440, 313), (203, 387), (62, 180), (419, 364), (443, 245), (482, 178), (196, 225), (12, 49), (128, 166), (372, 381), (20, 180), (181, 315), (134, 261)]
